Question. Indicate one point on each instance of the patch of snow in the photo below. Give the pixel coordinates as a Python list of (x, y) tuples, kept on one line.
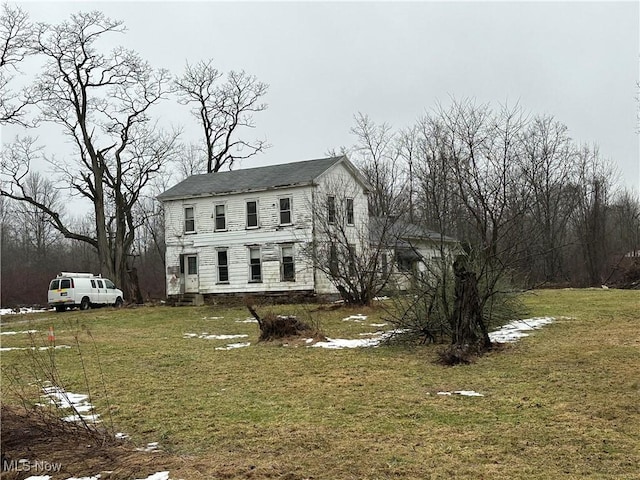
[(339, 343), (378, 324), (151, 447), (21, 310), (515, 330), (206, 336), (231, 346), (369, 334), (122, 436), (96, 477), (29, 332), (464, 393), (57, 347), (156, 476), (308, 340), (468, 393), (39, 477), (212, 318), (379, 299), (355, 318), (62, 399), (247, 320)]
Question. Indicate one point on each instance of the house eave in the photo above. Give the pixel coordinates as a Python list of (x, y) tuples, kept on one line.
[(168, 198)]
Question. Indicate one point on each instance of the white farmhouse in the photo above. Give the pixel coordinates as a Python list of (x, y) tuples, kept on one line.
[(247, 231), (244, 231)]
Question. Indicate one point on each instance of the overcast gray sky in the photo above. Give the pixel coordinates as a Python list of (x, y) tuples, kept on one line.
[(327, 61)]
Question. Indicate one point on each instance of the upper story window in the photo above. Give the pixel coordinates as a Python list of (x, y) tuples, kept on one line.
[(285, 211), (221, 219), (189, 220), (252, 214), (255, 265), (331, 209), (349, 211)]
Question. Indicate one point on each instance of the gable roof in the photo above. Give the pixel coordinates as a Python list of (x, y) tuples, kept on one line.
[(252, 179)]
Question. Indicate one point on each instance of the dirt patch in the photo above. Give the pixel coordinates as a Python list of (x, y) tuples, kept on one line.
[(62, 450)]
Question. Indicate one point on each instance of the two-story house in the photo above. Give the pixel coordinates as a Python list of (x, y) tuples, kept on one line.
[(247, 231)]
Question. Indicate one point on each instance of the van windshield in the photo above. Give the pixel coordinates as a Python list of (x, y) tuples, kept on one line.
[(109, 284)]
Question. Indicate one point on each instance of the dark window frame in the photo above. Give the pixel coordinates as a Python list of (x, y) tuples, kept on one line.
[(190, 220), (253, 215)]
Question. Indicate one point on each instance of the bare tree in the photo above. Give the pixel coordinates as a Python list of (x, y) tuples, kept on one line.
[(550, 168), (102, 103), (377, 154), (223, 108), (16, 37), (355, 260)]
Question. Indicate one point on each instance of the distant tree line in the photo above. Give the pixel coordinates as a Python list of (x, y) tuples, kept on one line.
[(509, 184)]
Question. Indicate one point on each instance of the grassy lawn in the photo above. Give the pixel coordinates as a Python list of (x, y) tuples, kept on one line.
[(563, 402)]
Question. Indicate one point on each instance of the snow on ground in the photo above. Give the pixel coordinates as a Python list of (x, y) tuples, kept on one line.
[(338, 343), (515, 330), (206, 336), (358, 317), (153, 476), (57, 347), (464, 393), (231, 346), (378, 324), (21, 310), (212, 318), (247, 320), (28, 332), (62, 399), (151, 447)]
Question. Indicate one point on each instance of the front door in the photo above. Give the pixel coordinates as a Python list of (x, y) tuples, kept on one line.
[(191, 274)]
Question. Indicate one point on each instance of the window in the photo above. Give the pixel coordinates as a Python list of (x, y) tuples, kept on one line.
[(189, 220), (285, 211), (288, 270), (255, 267), (65, 283), (99, 282), (333, 260), (221, 220), (252, 214), (331, 209), (109, 284), (55, 285), (192, 265), (93, 284), (349, 211), (223, 266)]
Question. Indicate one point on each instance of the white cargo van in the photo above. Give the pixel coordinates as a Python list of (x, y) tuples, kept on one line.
[(84, 290)]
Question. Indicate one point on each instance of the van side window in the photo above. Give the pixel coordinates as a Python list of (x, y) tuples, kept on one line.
[(109, 284), (93, 284), (65, 283), (100, 284), (55, 285)]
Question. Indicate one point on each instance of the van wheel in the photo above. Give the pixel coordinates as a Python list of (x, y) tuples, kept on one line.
[(85, 304), (118, 303), (60, 308)]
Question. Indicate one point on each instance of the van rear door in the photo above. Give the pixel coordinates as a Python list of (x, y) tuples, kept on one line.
[(60, 291)]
